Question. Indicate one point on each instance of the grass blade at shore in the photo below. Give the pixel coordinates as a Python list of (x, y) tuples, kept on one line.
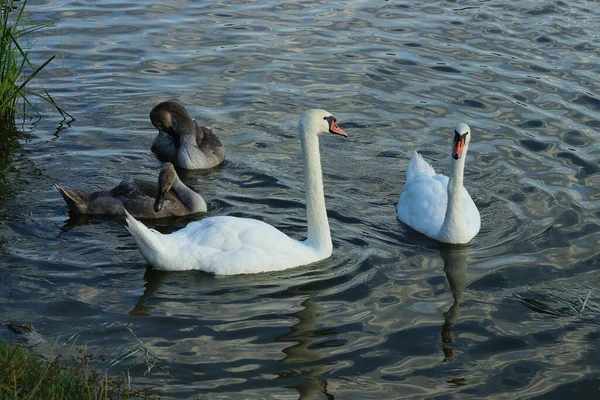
[(24, 375), (16, 69)]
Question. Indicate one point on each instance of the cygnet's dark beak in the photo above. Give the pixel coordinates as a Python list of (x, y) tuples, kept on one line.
[(160, 199)]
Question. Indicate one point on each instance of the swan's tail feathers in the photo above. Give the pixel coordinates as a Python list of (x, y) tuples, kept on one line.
[(148, 240), (75, 201), (418, 166)]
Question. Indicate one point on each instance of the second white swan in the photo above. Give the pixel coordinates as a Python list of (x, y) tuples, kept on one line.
[(228, 245), (436, 205)]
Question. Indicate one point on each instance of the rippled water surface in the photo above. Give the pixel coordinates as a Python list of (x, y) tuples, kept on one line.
[(391, 314)]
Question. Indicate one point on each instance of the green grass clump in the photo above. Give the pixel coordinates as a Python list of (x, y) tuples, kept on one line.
[(24, 375), (16, 69)]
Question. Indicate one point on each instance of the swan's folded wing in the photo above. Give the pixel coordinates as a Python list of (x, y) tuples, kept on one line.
[(228, 233), (230, 245), (417, 167), (423, 203), (207, 140)]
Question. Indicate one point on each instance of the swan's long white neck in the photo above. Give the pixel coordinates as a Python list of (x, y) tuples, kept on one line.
[(192, 200), (455, 223), (319, 235)]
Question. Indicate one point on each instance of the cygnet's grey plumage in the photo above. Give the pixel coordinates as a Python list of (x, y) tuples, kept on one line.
[(169, 198), (182, 141)]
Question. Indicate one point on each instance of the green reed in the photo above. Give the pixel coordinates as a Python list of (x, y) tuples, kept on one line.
[(16, 69), (24, 375)]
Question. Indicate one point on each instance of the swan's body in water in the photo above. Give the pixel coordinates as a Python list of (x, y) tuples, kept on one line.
[(436, 205), (144, 199), (181, 141), (230, 245)]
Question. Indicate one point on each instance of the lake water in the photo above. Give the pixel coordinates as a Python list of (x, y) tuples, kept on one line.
[(391, 314)]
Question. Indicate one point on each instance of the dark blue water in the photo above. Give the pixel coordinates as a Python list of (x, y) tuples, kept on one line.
[(391, 314)]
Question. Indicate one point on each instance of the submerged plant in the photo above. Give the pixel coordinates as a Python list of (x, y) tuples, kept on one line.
[(16, 69), (561, 302)]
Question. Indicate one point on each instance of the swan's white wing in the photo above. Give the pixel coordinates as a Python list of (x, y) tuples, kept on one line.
[(418, 167), (423, 202), (231, 245)]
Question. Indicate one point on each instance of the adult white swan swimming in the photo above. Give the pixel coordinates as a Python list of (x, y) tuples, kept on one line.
[(230, 245), (438, 206)]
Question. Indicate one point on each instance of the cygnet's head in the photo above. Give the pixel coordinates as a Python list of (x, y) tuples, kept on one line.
[(462, 137), (166, 179), (319, 121), (168, 117)]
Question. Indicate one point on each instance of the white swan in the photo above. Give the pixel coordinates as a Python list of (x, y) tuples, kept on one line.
[(230, 245), (438, 206)]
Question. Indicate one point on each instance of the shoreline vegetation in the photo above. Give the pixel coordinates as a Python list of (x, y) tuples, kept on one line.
[(16, 69), (25, 375)]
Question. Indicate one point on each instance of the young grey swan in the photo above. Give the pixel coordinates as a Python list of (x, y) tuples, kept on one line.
[(169, 198), (182, 141)]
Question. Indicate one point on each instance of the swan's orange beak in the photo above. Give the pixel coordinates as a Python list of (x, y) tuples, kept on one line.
[(334, 128), (459, 145)]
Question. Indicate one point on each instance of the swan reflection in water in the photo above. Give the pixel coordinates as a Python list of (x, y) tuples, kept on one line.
[(307, 363), (455, 268), (303, 366)]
